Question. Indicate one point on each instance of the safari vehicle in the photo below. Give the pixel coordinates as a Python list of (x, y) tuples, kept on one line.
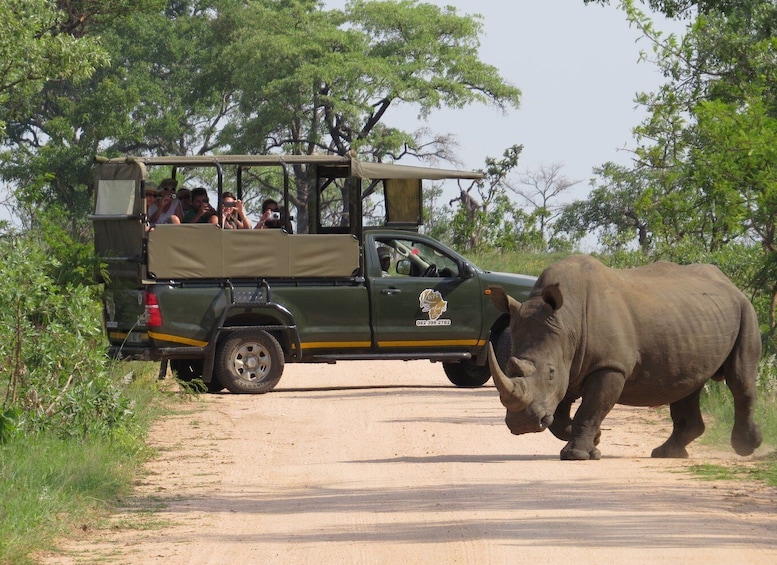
[(231, 307)]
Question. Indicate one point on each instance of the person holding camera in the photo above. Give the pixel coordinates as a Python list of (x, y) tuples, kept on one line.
[(233, 215), (168, 208), (203, 211), (271, 215)]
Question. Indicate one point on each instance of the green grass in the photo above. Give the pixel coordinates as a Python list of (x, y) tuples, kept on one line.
[(515, 262), (49, 485)]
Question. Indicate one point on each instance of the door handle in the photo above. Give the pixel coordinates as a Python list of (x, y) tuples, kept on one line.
[(390, 291)]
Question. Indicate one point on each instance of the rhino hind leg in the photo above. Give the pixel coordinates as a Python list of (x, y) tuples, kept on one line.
[(687, 426), (746, 435), (741, 372)]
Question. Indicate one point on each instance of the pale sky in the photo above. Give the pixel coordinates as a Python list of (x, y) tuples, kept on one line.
[(577, 68)]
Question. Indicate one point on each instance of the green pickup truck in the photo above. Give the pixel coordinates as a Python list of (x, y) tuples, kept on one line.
[(231, 307)]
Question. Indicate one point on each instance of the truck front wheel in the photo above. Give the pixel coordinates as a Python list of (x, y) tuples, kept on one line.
[(467, 373), (250, 362)]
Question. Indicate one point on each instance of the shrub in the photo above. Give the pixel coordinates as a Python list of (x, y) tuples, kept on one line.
[(53, 370)]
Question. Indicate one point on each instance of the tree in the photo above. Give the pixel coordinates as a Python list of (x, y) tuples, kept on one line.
[(684, 8), (618, 210), (541, 189), (191, 77), (704, 175), (489, 219), (158, 96), (39, 44), (325, 81)]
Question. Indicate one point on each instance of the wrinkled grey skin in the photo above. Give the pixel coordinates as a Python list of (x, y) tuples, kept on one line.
[(647, 336)]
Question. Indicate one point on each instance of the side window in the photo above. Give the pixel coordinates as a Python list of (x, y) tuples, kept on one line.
[(416, 259)]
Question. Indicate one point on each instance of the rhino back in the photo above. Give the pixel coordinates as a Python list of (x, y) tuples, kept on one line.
[(668, 328)]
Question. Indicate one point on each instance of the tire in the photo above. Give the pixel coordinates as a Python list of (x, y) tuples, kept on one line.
[(250, 362), (467, 374), (503, 348), (189, 369)]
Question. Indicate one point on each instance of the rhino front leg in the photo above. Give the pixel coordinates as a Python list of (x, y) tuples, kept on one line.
[(601, 391), (562, 420)]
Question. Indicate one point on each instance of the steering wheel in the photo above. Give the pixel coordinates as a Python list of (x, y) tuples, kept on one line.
[(430, 271)]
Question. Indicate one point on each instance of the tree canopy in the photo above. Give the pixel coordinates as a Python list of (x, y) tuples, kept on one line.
[(254, 76), (39, 44), (703, 179)]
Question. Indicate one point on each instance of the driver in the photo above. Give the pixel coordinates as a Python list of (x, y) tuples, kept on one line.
[(384, 254)]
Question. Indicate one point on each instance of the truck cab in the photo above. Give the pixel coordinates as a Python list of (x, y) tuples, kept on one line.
[(231, 307)]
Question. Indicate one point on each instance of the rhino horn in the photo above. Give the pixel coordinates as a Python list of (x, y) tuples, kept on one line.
[(514, 391)]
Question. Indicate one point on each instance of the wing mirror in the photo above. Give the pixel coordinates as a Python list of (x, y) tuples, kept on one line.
[(403, 267), (466, 270)]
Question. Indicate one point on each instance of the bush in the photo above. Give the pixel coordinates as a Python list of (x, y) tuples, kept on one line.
[(53, 373)]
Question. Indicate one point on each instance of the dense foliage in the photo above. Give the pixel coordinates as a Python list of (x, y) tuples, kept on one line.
[(703, 186), (192, 77), (54, 371)]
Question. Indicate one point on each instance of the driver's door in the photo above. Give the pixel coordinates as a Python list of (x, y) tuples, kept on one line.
[(428, 304)]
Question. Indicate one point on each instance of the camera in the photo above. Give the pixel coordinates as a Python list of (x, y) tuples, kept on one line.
[(275, 216)]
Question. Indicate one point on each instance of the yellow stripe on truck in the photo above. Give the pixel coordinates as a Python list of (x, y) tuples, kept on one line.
[(335, 344), (340, 344), (177, 339), (433, 343)]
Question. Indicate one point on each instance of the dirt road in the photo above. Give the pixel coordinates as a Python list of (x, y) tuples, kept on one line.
[(385, 463)]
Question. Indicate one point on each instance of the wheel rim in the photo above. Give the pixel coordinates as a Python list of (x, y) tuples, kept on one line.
[(252, 361)]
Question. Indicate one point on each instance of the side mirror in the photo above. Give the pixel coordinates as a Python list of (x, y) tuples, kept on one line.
[(403, 267), (466, 270)]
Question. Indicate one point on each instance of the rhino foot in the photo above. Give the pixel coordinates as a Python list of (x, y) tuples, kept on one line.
[(669, 452), (568, 454), (745, 442)]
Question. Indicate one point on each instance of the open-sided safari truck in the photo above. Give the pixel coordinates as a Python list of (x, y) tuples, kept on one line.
[(232, 306)]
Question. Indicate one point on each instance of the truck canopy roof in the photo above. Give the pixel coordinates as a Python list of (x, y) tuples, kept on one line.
[(351, 166), (192, 251)]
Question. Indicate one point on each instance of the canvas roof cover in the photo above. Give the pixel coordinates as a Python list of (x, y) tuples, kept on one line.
[(356, 168)]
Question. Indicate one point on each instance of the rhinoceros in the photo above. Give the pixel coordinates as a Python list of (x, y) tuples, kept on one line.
[(646, 336)]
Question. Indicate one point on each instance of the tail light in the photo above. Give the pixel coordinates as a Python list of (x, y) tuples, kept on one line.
[(153, 314)]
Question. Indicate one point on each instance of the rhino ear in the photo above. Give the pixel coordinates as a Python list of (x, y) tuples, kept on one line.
[(552, 296), (502, 301), (499, 298)]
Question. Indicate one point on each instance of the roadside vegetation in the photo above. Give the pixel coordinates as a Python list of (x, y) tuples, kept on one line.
[(149, 77), (72, 424)]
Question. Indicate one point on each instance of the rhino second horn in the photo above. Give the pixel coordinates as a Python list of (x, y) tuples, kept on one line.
[(508, 388)]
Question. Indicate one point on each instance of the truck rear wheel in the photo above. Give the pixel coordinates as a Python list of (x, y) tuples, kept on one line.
[(467, 373), (250, 362)]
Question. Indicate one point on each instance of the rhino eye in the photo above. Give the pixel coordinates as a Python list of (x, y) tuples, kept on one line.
[(551, 373)]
